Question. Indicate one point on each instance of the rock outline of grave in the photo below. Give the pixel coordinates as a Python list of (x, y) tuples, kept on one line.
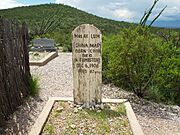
[(83, 34), (44, 60), (43, 44), (42, 119)]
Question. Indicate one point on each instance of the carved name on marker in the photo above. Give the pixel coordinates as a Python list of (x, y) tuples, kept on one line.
[(87, 65)]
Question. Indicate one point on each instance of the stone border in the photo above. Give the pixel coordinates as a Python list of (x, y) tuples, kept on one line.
[(40, 122), (45, 60)]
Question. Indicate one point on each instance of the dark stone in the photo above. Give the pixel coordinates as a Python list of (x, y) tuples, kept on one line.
[(43, 44)]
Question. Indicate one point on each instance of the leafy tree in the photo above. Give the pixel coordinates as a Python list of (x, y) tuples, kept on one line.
[(167, 80), (133, 58)]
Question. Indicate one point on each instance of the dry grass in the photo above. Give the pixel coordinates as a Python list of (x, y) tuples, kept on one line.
[(68, 120), (36, 56)]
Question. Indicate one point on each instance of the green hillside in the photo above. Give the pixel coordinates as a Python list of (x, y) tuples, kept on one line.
[(135, 59), (69, 19)]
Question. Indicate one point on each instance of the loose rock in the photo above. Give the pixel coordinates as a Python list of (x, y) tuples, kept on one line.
[(73, 126), (59, 109), (75, 110)]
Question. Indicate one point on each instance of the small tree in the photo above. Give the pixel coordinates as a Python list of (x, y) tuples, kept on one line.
[(133, 58)]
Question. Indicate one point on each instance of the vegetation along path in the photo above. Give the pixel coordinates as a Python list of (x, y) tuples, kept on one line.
[(56, 80)]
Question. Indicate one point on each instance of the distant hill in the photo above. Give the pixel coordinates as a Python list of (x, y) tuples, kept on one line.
[(70, 18), (167, 24)]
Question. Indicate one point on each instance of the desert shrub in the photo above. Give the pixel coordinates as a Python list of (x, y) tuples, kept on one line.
[(63, 40), (136, 60), (167, 80), (34, 85)]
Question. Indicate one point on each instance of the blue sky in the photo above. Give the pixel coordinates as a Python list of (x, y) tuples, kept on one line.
[(123, 10), (35, 2)]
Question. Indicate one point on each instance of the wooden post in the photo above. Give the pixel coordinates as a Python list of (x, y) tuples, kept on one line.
[(87, 65)]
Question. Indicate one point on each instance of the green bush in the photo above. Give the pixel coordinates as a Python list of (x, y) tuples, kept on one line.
[(34, 86), (167, 79), (62, 40), (134, 60)]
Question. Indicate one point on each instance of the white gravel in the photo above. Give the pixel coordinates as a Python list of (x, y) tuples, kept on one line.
[(56, 80), (55, 77), (155, 119)]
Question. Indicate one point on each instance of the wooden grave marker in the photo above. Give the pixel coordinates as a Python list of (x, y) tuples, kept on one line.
[(87, 65)]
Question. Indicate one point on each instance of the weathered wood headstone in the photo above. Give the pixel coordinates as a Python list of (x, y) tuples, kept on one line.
[(87, 65)]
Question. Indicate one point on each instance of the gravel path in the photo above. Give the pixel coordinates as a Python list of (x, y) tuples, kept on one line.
[(56, 80), (55, 77), (155, 119)]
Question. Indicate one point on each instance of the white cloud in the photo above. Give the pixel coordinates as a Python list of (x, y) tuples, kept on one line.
[(170, 2), (171, 13), (9, 4), (127, 10), (113, 9), (123, 14), (73, 3)]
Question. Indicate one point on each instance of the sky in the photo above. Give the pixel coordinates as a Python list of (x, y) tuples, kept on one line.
[(122, 10)]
